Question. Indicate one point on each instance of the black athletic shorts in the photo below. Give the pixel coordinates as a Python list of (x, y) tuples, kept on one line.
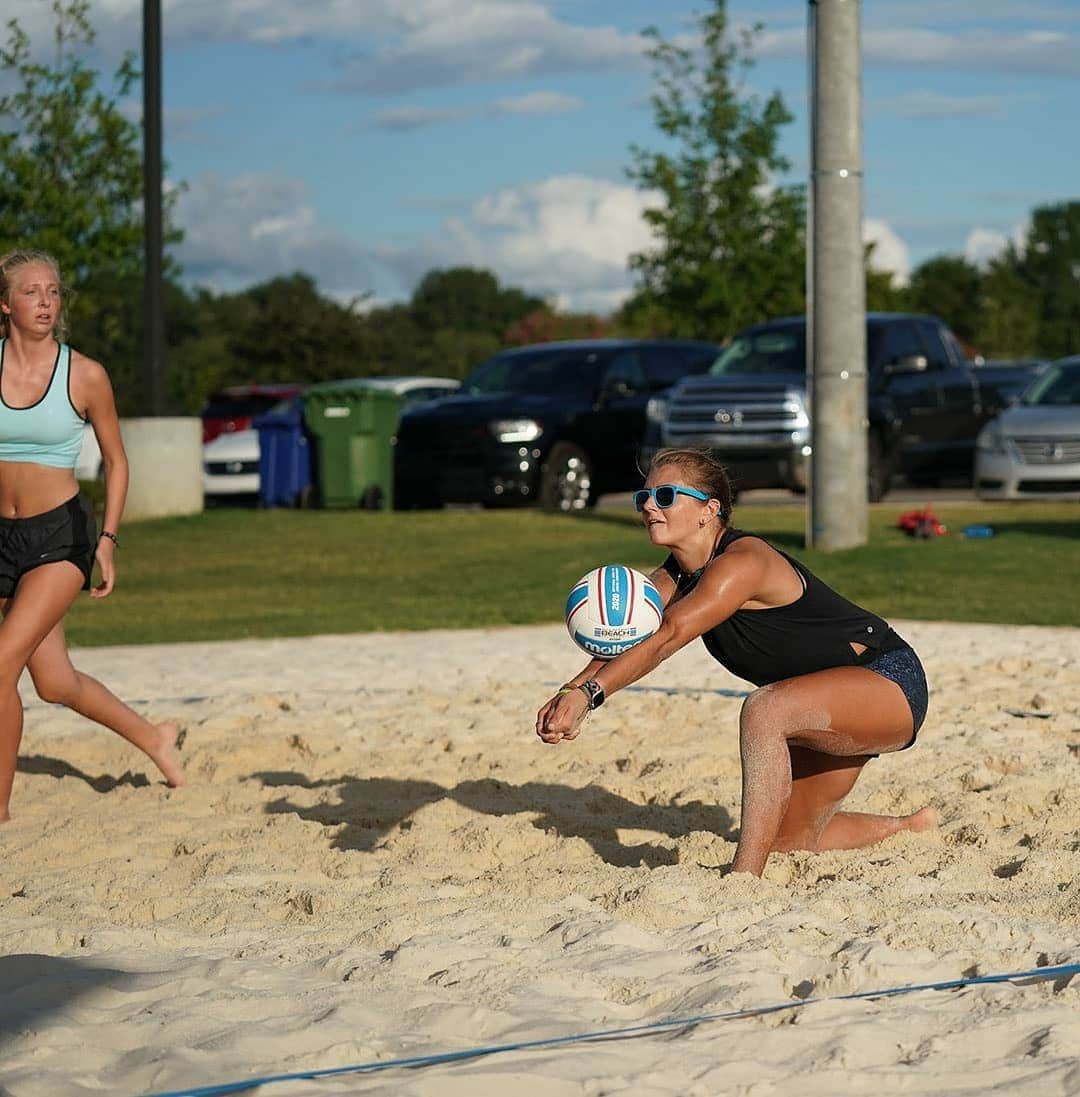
[(68, 532)]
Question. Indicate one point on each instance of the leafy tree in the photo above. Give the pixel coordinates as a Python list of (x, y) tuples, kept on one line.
[(1008, 309), (730, 239), (466, 299), (71, 181), (1051, 267), (452, 353), (284, 330), (881, 294), (950, 287), (544, 326)]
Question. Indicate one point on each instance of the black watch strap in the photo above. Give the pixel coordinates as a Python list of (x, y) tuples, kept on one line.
[(594, 692)]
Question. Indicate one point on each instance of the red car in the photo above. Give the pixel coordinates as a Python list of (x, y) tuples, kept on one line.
[(233, 408)]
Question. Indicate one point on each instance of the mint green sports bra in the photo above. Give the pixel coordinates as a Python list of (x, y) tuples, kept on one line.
[(49, 432)]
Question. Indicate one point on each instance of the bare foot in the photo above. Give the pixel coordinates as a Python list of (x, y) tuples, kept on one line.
[(166, 755), (923, 819)]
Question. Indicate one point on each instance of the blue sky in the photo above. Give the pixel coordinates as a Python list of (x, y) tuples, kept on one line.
[(368, 141)]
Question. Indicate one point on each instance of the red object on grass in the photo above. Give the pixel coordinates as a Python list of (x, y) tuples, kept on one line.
[(921, 523)]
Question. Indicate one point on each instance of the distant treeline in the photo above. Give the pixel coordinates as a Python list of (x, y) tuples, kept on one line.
[(1026, 302), (285, 330)]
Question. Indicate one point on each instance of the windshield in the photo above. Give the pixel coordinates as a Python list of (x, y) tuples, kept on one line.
[(539, 374), (222, 406), (1059, 385), (771, 350)]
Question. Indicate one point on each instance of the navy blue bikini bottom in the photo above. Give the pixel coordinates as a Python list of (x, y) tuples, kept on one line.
[(902, 666)]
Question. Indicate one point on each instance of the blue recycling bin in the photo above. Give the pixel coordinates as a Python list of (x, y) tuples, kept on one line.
[(285, 478)]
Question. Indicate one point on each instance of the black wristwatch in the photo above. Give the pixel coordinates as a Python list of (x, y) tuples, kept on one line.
[(594, 692)]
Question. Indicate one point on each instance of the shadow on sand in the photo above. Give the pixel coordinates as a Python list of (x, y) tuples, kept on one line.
[(33, 986), (369, 808), (41, 765)]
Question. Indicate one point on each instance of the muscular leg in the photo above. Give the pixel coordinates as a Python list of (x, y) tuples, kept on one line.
[(57, 681), (41, 600), (819, 784), (816, 730)]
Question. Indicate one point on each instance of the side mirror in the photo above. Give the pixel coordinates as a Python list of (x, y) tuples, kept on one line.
[(907, 363)]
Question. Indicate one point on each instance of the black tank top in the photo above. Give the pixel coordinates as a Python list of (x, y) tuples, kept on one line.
[(812, 633)]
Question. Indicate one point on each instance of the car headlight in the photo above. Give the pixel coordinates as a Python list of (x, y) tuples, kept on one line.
[(990, 439), (656, 409), (516, 430)]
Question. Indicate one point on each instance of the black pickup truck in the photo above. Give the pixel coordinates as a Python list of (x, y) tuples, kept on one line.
[(924, 405), (554, 423)]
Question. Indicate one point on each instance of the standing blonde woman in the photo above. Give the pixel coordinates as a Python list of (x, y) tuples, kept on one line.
[(48, 392)]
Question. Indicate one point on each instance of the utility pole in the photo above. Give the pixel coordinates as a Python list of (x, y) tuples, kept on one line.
[(153, 307), (837, 515)]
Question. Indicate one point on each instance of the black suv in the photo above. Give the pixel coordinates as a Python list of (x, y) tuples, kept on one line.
[(556, 422), (924, 405)]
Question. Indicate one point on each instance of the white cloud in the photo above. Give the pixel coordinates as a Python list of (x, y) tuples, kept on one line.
[(539, 102), (982, 245), (461, 42), (890, 252), (380, 46), (929, 105), (567, 237), (408, 118), (250, 229), (1028, 52)]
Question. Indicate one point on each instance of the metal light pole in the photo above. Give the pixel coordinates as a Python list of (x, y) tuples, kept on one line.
[(836, 299), (153, 310)]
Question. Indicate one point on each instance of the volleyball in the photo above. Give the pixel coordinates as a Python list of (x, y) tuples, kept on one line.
[(612, 608)]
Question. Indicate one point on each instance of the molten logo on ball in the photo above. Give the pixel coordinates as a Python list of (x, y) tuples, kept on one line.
[(612, 608)]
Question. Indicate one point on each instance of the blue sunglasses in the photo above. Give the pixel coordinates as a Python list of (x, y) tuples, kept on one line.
[(665, 495)]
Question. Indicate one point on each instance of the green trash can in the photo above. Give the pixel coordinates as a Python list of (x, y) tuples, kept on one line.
[(353, 425)]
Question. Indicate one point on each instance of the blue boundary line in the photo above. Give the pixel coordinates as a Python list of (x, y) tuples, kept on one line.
[(1034, 975)]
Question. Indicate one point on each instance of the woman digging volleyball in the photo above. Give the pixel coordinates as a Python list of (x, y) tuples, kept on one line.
[(47, 537), (837, 685)]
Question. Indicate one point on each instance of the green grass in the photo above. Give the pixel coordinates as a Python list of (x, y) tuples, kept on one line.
[(227, 574)]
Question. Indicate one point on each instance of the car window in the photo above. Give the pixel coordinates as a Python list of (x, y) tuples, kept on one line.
[(223, 406), (895, 340), (770, 350), (537, 373), (625, 372), (937, 355), (423, 394), (1059, 385), (666, 365)]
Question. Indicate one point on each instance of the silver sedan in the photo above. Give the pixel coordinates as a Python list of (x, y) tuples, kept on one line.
[(1032, 450)]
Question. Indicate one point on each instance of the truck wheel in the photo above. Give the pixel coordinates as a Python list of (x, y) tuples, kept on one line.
[(878, 470), (372, 499), (566, 480)]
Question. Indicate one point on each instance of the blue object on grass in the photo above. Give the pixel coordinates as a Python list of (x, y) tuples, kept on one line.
[(978, 531), (285, 467)]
